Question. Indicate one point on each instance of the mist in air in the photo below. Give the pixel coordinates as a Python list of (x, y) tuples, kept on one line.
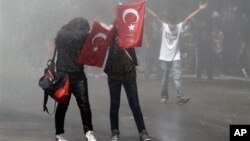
[(215, 44)]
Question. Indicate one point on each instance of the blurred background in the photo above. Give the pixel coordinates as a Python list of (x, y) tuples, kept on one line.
[(215, 57), (28, 29)]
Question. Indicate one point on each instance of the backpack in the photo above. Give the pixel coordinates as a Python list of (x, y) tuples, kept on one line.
[(55, 84)]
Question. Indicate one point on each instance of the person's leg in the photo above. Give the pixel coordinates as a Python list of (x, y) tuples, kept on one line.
[(176, 72), (60, 116), (164, 91), (199, 64), (209, 66), (80, 91), (248, 60), (130, 87), (115, 94)]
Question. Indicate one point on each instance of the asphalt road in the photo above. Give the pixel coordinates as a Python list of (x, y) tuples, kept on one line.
[(213, 107)]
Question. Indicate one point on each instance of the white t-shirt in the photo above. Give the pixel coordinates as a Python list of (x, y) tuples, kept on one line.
[(169, 50)]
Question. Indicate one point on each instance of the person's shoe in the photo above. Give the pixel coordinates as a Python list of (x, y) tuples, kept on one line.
[(183, 100), (60, 137), (163, 100), (144, 136), (115, 135), (89, 136)]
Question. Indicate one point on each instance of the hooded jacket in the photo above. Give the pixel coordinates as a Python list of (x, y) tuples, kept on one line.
[(69, 43), (119, 65)]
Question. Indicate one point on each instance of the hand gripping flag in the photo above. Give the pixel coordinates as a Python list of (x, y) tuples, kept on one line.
[(96, 45), (130, 22)]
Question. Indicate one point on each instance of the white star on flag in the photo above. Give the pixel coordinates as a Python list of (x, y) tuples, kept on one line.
[(95, 48), (131, 27)]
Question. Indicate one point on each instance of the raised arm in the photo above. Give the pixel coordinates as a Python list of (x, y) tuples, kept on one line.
[(154, 15), (201, 7)]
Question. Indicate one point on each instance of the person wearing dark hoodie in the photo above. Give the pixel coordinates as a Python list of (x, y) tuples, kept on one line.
[(121, 71), (69, 42)]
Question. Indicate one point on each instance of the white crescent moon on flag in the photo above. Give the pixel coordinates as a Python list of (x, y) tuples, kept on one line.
[(99, 35), (132, 11)]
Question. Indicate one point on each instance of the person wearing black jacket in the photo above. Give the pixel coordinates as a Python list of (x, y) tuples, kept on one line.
[(69, 43), (121, 71)]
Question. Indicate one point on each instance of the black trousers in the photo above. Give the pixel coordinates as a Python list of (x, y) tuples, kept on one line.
[(79, 87), (130, 87)]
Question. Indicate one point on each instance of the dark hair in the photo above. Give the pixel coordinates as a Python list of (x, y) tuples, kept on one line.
[(74, 32), (78, 23)]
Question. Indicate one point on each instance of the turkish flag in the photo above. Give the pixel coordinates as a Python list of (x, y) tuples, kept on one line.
[(130, 22), (96, 45)]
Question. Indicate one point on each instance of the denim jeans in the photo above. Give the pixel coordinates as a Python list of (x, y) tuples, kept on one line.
[(130, 87), (79, 88), (172, 69)]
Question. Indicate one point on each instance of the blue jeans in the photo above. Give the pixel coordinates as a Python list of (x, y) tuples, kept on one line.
[(130, 87), (172, 69)]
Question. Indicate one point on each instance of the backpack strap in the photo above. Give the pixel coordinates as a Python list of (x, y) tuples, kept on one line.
[(51, 65), (54, 54), (129, 56), (45, 101)]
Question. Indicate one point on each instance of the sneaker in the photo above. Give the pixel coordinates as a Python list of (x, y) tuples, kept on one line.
[(144, 136), (183, 100), (89, 136), (60, 137), (115, 135), (163, 101)]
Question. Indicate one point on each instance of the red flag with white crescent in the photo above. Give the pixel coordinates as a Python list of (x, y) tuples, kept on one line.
[(96, 45), (130, 22)]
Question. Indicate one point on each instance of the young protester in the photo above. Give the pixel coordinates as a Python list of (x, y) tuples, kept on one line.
[(170, 54), (69, 43), (121, 71)]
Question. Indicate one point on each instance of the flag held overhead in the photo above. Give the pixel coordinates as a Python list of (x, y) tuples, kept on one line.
[(130, 22)]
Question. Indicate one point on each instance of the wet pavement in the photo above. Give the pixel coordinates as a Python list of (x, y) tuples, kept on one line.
[(213, 107)]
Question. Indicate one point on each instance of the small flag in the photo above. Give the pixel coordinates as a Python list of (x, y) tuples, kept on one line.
[(96, 45)]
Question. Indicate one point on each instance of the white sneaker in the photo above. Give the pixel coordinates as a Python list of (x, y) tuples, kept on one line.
[(90, 136), (60, 138), (163, 100)]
